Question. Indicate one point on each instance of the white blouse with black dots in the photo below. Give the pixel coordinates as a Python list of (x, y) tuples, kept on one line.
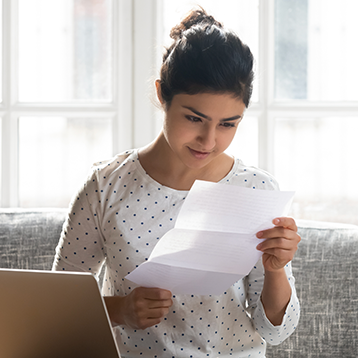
[(117, 218)]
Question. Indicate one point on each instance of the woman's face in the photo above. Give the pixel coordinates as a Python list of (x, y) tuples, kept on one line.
[(199, 127)]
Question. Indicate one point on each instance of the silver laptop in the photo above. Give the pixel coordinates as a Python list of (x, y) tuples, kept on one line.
[(45, 314)]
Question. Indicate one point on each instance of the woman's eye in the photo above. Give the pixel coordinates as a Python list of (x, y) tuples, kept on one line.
[(228, 125), (193, 119)]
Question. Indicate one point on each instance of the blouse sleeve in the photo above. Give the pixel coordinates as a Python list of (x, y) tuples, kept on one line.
[(81, 245), (271, 334)]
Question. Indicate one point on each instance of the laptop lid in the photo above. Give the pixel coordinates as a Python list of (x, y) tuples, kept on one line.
[(46, 314)]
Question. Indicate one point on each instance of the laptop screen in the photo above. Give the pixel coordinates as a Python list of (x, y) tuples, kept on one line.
[(53, 314)]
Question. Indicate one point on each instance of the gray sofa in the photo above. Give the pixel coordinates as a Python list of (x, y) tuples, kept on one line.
[(325, 268)]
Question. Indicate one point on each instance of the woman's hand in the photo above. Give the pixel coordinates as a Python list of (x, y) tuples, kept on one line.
[(278, 249), (142, 308), (280, 244)]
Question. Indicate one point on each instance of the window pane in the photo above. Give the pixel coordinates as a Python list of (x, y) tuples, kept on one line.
[(56, 154), (245, 144), (241, 16), (317, 158), (1, 51), (65, 50), (316, 50)]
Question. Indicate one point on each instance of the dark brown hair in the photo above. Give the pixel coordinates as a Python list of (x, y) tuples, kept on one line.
[(205, 57)]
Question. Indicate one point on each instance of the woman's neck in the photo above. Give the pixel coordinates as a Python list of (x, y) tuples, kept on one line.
[(161, 164)]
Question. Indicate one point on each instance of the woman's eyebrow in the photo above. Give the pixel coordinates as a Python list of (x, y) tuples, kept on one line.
[(208, 118), (197, 113), (231, 118)]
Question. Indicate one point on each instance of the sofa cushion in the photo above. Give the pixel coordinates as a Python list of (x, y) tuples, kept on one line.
[(325, 268), (28, 237)]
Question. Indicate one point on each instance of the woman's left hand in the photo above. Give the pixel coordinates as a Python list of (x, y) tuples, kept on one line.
[(280, 244)]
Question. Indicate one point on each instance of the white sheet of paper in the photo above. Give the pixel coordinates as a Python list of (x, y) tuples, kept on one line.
[(213, 242)]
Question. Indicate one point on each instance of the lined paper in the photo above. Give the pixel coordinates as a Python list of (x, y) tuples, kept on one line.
[(213, 243)]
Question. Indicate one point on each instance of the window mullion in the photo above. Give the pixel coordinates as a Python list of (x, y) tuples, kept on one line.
[(144, 64), (10, 166), (10, 169), (123, 75), (266, 66)]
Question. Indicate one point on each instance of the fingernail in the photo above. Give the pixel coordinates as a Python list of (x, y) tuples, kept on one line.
[(259, 246), (259, 234), (276, 221)]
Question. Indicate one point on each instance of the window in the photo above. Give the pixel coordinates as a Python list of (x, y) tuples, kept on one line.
[(314, 110), (63, 107), (64, 56), (75, 90)]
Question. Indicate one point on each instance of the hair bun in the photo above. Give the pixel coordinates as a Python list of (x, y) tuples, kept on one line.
[(194, 17)]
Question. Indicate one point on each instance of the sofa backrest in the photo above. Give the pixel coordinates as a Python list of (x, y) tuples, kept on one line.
[(28, 238), (325, 269)]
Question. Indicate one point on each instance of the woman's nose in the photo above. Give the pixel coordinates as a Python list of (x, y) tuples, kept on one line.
[(207, 138)]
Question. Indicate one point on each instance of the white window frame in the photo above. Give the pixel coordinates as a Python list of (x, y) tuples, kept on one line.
[(133, 41), (268, 109), (136, 50)]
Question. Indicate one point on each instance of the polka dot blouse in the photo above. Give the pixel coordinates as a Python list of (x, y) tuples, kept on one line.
[(117, 218)]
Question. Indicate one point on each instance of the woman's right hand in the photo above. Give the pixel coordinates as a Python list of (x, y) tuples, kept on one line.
[(142, 308)]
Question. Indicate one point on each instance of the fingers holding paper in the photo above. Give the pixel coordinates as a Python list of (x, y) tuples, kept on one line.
[(280, 243), (146, 307)]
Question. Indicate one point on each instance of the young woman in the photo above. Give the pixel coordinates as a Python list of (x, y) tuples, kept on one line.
[(132, 200)]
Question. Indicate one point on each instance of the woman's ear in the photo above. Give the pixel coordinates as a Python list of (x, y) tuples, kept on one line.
[(159, 91)]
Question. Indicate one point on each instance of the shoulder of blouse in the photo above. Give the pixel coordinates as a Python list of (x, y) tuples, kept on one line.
[(251, 176), (103, 171), (113, 162)]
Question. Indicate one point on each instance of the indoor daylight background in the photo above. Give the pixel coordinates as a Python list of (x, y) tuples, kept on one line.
[(77, 88)]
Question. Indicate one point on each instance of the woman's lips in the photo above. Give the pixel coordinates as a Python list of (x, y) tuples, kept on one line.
[(199, 155)]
